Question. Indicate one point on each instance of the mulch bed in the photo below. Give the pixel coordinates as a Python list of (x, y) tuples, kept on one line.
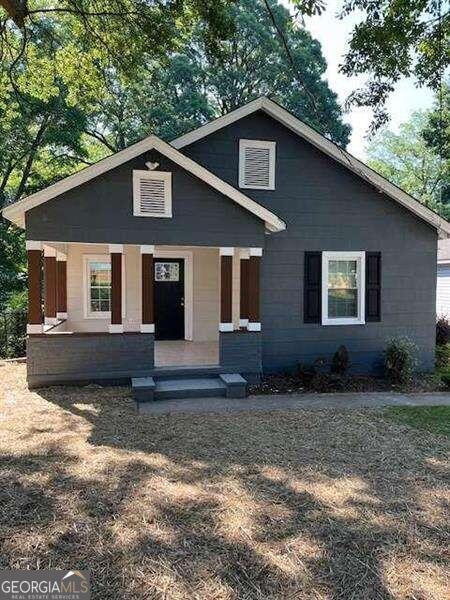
[(292, 384)]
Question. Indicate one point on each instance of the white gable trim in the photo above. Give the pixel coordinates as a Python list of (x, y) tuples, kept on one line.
[(16, 212), (323, 144)]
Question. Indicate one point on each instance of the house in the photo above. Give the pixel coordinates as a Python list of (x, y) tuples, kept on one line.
[(246, 246), (443, 279)]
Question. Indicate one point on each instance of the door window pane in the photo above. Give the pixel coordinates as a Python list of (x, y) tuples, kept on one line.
[(165, 271)]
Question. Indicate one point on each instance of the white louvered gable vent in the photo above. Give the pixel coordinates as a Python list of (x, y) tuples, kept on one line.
[(257, 164), (152, 194)]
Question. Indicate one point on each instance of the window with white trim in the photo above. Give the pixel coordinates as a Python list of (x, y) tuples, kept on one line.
[(257, 164), (152, 194), (343, 288), (97, 286)]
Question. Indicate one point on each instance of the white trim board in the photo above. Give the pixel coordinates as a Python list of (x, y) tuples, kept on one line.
[(245, 145), (16, 212), (360, 258), (187, 255), (322, 143)]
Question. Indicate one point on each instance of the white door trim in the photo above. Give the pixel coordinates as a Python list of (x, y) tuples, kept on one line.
[(187, 255)]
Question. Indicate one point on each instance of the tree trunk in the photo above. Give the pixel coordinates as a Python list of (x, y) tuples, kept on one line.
[(31, 156), (17, 10)]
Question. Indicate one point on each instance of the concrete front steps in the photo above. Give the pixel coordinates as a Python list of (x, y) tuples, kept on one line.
[(165, 387)]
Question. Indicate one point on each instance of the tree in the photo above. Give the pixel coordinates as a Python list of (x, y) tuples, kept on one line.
[(28, 129), (395, 39), (166, 101), (437, 135), (115, 32), (437, 128), (253, 61), (199, 84), (406, 159), (77, 82), (12, 261)]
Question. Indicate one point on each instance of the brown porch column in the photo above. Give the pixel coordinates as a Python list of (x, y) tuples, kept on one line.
[(226, 289), (243, 299), (116, 251), (254, 319), (148, 277), (61, 286), (34, 255), (50, 285)]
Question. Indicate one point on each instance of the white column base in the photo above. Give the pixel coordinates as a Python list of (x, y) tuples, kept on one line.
[(254, 326), (243, 322), (226, 327), (226, 251), (35, 328), (115, 328), (61, 316), (51, 320), (147, 328)]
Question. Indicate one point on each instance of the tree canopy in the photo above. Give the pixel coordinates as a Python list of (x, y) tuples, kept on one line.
[(394, 39), (407, 159), (198, 84), (82, 79), (64, 104)]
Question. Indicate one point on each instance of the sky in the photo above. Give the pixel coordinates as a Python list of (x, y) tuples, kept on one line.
[(334, 34)]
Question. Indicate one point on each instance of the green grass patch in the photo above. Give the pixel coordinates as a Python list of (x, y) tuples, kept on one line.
[(431, 418)]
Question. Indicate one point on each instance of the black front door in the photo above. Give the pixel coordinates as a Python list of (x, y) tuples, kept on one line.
[(169, 298)]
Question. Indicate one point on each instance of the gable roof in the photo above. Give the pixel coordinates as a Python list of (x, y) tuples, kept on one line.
[(322, 143), (16, 212)]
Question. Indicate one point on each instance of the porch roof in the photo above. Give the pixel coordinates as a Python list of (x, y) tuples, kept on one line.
[(16, 212)]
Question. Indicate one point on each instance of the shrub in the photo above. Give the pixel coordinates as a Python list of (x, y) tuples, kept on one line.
[(340, 362), (306, 374), (400, 359), (13, 334), (17, 301), (446, 379), (443, 356), (442, 331)]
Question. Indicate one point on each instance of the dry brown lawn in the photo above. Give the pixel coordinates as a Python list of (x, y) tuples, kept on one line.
[(308, 504)]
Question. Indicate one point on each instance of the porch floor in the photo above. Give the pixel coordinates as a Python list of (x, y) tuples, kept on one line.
[(184, 353)]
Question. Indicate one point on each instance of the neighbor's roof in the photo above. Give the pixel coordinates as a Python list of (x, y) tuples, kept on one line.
[(444, 251), (16, 212), (322, 143)]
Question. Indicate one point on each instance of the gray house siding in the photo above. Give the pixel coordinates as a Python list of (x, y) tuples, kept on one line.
[(241, 351), (101, 211), (86, 357), (326, 207)]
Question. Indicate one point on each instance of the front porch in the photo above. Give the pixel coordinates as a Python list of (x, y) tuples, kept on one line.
[(96, 311), (182, 353)]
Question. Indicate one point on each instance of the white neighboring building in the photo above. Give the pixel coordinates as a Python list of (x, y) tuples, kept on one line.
[(443, 279)]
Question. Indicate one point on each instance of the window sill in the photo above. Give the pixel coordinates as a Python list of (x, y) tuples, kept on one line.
[(153, 216), (343, 322), (255, 187), (98, 316)]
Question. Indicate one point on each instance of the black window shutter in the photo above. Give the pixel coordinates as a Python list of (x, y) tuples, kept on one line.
[(373, 286), (312, 288)]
